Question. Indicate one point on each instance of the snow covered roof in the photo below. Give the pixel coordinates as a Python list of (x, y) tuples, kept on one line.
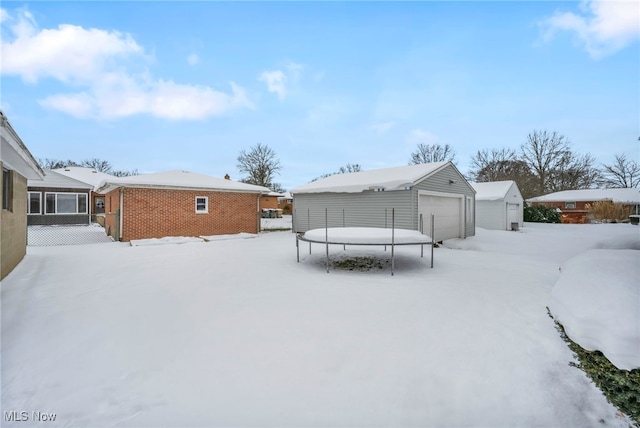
[(84, 174), (396, 178), (492, 190), (631, 195), (179, 180), (53, 179), (14, 154)]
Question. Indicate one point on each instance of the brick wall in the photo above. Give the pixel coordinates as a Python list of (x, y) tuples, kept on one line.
[(270, 202), (111, 205), (155, 213)]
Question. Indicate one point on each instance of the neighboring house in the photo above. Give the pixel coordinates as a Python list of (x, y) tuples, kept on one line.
[(366, 199), (17, 166), (58, 199), (93, 177), (499, 205), (574, 204), (285, 203), (270, 200), (179, 203)]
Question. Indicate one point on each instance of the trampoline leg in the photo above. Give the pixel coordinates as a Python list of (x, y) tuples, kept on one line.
[(298, 248)]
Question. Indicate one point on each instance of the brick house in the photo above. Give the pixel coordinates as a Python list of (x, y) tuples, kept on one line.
[(270, 200), (17, 165), (574, 204), (179, 203)]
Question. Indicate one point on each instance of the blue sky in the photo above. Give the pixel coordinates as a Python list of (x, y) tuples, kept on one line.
[(156, 86)]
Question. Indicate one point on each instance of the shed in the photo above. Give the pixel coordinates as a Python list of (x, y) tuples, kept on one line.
[(499, 205), (179, 203), (57, 200), (368, 198)]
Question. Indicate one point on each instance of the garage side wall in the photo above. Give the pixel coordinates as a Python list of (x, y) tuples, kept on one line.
[(156, 213), (366, 209), (441, 183)]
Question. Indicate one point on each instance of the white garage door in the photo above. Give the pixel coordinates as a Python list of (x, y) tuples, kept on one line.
[(448, 215)]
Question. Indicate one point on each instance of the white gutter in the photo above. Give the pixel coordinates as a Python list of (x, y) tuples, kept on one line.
[(121, 219)]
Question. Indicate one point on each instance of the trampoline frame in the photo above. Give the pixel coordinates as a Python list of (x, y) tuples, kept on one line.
[(393, 244)]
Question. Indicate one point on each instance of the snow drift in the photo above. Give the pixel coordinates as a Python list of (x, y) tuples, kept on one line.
[(597, 300)]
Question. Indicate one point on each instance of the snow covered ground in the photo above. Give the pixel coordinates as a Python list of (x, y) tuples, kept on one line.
[(234, 332)]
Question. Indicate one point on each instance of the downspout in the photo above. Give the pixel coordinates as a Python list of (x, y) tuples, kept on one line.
[(258, 216), (121, 219)]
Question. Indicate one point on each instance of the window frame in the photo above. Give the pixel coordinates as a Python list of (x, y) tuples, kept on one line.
[(29, 212), (55, 203), (570, 205), (206, 205), (7, 189)]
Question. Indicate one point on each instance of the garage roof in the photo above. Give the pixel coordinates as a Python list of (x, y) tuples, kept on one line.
[(492, 190), (396, 178)]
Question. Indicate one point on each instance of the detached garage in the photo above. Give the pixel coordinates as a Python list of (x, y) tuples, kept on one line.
[(368, 198), (179, 203), (499, 205)]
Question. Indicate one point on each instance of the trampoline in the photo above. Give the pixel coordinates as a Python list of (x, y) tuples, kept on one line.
[(366, 236)]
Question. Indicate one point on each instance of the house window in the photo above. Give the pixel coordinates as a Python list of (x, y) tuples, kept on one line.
[(66, 203), (99, 208), (7, 190), (570, 205), (35, 203), (469, 210), (202, 204)]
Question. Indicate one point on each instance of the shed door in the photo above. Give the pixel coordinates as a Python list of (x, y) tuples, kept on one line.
[(448, 215), (512, 214)]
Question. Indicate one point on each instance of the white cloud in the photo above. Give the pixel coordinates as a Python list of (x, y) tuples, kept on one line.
[(280, 82), (193, 59), (101, 65), (603, 27), (417, 136), (382, 127), (276, 82)]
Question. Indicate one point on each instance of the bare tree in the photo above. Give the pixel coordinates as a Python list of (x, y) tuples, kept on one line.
[(342, 170), (427, 153), (575, 172), (493, 165), (124, 173), (56, 163), (97, 164), (624, 173), (555, 167), (349, 168), (503, 164), (260, 164)]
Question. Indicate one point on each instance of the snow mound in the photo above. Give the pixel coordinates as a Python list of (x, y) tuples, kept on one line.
[(241, 235), (366, 236), (597, 300), (167, 240)]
